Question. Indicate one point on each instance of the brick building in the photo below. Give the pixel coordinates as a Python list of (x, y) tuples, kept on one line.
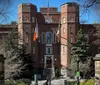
[(49, 51)]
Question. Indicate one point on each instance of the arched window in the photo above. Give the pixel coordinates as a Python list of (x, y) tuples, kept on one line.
[(49, 37)]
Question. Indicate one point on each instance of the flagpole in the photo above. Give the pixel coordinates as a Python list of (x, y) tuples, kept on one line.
[(35, 44), (57, 33), (48, 11)]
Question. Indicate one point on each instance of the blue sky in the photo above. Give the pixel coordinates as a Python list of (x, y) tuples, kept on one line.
[(89, 17)]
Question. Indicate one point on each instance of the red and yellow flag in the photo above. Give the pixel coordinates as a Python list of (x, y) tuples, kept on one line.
[(35, 36)]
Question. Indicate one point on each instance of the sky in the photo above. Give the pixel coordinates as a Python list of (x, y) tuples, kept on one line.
[(89, 17)]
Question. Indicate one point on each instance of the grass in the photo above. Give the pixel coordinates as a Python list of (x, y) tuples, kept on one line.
[(18, 82), (88, 82)]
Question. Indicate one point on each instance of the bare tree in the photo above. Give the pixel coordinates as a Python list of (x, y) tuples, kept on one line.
[(5, 6)]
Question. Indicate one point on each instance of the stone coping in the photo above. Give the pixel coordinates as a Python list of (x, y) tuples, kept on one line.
[(97, 57)]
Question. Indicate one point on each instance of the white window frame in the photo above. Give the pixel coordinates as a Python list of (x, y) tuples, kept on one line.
[(51, 50)]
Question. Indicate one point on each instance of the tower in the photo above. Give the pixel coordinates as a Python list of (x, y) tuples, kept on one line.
[(69, 25), (26, 25)]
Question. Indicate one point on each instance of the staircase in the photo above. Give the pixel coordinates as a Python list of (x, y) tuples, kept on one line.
[(49, 72)]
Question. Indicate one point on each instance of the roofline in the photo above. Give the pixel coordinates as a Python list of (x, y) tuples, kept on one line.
[(26, 4), (69, 3), (8, 26)]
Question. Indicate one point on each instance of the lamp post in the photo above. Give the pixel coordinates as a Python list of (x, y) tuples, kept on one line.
[(78, 73)]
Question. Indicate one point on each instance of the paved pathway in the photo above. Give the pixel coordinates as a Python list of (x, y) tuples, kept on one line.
[(53, 82)]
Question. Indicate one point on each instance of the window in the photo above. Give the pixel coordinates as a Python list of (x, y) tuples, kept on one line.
[(19, 19), (43, 37), (26, 19), (63, 50), (71, 18), (33, 19), (1, 66), (33, 50), (20, 41), (71, 39), (46, 19), (71, 30), (49, 50), (54, 38), (49, 37), (63, 20), (26, 29), (50, 19), (86, 36), (1, 36), (26, 38), (63, 30)]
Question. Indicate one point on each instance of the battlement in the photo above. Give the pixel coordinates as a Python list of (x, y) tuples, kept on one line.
[(51, 9)]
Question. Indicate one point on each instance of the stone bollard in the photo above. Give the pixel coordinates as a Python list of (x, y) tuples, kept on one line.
[(97, 69), (2, 69)]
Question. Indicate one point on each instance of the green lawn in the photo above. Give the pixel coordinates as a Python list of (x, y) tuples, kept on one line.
[(89, 82)]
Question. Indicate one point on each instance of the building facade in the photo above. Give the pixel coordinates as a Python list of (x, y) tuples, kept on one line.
[(56, 32), (49, 50)]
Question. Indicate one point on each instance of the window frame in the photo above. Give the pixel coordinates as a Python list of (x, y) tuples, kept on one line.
[(50, 49), (54, 38)]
